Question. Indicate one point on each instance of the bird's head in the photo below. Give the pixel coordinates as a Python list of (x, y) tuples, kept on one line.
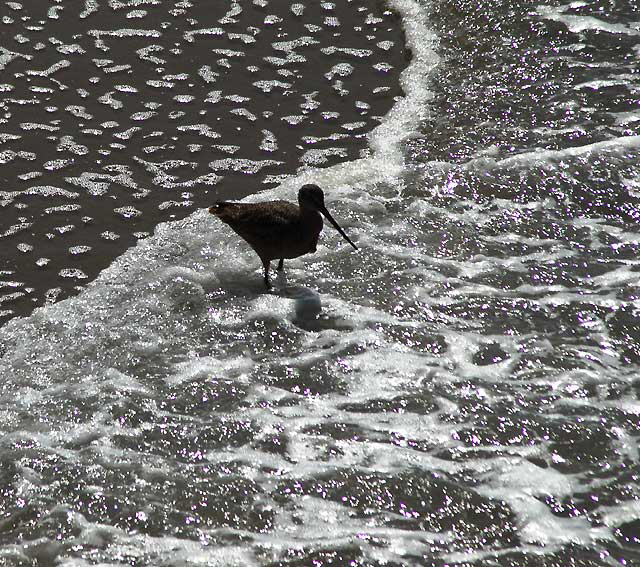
[(311, 197)]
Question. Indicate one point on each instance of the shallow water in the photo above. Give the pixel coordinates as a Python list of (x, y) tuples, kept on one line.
[(462, 391), (116, 116)]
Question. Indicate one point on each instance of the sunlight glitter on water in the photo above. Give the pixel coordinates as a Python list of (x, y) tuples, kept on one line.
[(467, 394), (155, 116)]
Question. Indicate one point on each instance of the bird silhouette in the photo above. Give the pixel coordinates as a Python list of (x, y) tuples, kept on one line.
[(279, 229)]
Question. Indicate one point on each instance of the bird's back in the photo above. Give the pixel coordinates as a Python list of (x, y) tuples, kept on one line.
[(275, 212), (274, 229)]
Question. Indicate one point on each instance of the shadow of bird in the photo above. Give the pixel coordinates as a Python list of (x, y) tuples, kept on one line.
[(278, 229)]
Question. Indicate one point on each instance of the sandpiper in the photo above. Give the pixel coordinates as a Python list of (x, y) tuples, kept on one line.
[(279, 229)]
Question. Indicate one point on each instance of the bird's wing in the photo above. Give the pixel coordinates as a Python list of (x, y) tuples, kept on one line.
[(264, 223)]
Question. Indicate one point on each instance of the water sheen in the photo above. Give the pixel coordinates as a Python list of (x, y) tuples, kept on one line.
[(116, 116), (462, 391)]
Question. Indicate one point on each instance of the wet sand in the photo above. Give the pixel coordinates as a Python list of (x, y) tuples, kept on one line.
[(115, 118)]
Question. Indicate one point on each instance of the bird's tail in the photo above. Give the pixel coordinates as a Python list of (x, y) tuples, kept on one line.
[(219, 208)]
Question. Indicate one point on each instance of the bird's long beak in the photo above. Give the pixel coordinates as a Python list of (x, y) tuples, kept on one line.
[(328, 216)]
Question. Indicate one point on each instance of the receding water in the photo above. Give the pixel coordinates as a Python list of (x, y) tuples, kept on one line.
[(462, 391), (116, 116)]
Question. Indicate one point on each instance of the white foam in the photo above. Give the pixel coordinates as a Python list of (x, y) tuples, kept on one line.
[(550, 157), (578, 24), (188, 304)]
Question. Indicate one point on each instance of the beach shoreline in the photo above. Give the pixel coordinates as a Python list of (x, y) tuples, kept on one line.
[(108, 133)]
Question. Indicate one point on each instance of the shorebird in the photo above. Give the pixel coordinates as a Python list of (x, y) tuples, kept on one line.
[(279, 229)]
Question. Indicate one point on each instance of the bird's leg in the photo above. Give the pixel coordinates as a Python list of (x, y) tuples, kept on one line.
[(281, 264), (266, 263)]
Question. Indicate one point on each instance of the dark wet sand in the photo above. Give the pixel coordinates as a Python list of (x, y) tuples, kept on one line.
[(111, 119)]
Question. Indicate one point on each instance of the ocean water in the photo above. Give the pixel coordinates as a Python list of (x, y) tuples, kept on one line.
[(117, 116), (462, 391)]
